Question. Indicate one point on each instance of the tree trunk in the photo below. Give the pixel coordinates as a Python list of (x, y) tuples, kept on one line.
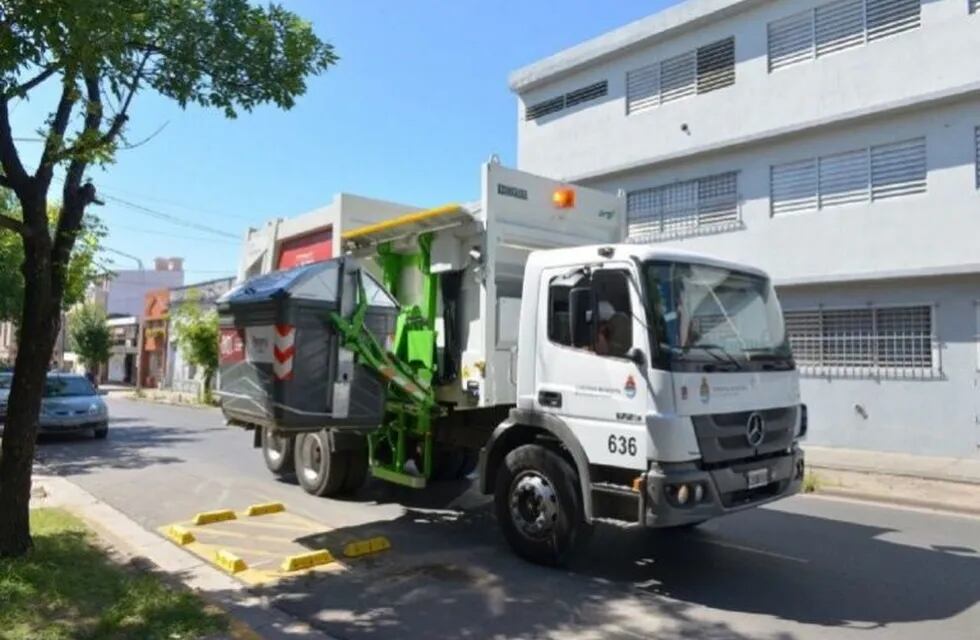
[(39, 326)]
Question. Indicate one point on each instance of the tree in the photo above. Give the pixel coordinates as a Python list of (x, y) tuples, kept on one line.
[(88, 335), (197, 336), (84, 266), (99, 54)]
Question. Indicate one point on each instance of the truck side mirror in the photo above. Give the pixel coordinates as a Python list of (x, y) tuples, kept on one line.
[(581, 316), (637, 357)]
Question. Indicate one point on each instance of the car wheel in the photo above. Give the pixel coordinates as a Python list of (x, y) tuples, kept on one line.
[(277, 451), (538, 505), (101, 433), (320, 471)]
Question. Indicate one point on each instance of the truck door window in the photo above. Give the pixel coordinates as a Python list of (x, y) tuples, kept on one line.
[(614, 333), (559, 310)]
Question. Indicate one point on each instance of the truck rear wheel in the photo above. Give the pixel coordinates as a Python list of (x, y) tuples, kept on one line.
[(538, 506), (277, 451), (357, 470), (320, 471)]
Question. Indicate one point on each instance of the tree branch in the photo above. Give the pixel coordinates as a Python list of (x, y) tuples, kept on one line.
[(118, 121), (22, 89), (6, 222), (13, 170), (56, 135)]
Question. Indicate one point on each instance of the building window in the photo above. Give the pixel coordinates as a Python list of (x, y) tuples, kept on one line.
[(836, 26), (686, 208), (873, 173), (702, 70), (566, 101), (886, 342)]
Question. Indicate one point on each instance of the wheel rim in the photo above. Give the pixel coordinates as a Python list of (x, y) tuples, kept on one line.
[(533, 505), (275, 445), (312, 458)]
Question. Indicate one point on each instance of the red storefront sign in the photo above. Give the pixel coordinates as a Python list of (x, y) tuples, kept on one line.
[(312, 247)]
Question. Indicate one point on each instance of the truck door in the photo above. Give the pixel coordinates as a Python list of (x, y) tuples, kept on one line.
[(583, 373)]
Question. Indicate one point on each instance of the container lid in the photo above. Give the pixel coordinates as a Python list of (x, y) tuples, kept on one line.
[(318, 281)]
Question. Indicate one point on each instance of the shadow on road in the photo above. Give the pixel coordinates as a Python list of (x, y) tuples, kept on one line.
[(449, 575), (129, 445)]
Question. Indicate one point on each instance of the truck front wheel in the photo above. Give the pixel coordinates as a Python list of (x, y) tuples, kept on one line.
[(320, 470), (277, 451), (538, 506)]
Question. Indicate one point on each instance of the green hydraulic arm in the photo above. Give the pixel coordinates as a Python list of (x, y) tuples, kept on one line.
[(409, 368)]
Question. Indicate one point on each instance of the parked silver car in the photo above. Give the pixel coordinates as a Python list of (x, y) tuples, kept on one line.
[(70, 404)]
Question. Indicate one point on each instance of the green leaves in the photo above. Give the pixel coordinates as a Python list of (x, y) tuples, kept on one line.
[(84, 267), (196, 331), (88, 334)]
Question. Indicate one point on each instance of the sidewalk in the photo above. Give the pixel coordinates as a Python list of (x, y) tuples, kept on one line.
[(948, 484), (132, 540), (896, 464)]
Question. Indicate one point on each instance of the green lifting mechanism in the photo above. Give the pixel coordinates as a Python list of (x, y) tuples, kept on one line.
[(409, 368)]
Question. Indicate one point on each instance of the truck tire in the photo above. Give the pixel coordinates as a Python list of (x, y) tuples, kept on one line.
[(538, 506), (357, 470), (277, 451), (320, 471)]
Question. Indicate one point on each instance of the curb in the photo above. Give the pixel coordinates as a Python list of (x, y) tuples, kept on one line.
[(896, 473), (877, 498), (214, 587)]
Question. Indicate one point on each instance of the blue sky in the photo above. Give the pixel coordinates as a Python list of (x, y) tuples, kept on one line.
[(418, 100)]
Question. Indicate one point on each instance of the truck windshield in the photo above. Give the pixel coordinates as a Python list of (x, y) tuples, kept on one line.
[(709, 314)]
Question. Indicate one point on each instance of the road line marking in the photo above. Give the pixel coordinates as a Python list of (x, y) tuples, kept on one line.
[(762, 552), (247, 551), (208, 536), (282, 525)]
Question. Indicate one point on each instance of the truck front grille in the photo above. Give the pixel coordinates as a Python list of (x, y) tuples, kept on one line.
[(723, 436)]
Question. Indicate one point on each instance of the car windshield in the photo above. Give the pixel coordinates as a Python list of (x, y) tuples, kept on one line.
[(709, 313), (5, 380), (67, 386)]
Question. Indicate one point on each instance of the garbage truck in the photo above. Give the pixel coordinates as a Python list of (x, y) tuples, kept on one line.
[(584, 377)]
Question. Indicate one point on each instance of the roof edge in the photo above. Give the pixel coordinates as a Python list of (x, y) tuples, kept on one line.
[(684, 15)]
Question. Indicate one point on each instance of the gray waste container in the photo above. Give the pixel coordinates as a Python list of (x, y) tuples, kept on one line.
[(281, 362)]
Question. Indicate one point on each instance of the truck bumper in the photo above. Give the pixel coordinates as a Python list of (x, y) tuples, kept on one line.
[(722, 490)]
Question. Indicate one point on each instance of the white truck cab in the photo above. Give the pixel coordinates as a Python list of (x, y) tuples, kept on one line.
[(660, 382)]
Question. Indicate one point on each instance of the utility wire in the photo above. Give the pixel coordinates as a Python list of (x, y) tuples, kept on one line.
[(160, 215), (167, 217)]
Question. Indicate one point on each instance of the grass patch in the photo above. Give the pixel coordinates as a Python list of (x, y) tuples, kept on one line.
[(811, 482), (69, 588)]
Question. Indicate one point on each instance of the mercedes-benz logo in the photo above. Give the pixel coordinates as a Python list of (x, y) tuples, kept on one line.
[(755, 429)]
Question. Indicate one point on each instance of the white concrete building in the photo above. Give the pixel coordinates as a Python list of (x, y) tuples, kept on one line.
[(283, 243), (834, 144), (123, 292)]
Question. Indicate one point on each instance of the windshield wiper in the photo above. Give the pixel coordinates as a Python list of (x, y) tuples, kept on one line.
[(716, 351)]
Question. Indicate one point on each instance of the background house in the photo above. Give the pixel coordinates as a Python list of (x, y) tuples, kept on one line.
[(181, 375)]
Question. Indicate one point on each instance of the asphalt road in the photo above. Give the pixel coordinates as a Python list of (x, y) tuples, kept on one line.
[(807, 567)]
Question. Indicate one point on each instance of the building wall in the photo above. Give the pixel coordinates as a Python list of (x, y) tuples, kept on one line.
[(123, 294), (932, 416), (915, 249), (596, 137), (262, 246), (931, 232)]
